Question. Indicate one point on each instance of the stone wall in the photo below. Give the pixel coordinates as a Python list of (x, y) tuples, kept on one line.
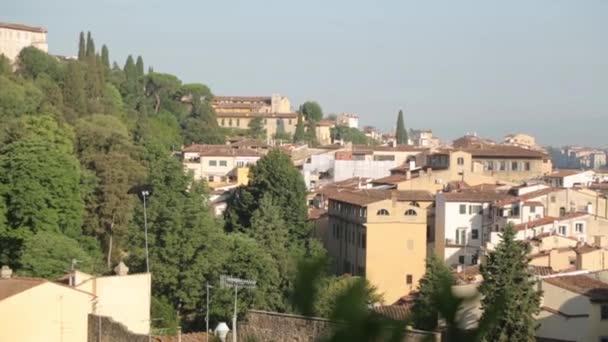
[(111, 331), (277, 327)]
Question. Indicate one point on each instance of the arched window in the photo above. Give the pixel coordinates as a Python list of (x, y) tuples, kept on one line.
[(415, 204), (382, 212), (411, 212)]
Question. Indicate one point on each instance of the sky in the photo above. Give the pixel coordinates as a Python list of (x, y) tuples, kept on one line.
[(490, 67)]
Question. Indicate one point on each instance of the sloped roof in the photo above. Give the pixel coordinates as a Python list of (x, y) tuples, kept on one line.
[(12, 286), (394, 312), (480, 193), (221, 150), (586, 285), (22, 27), (526, 197), (504, 151), (256, 115), (564, 173), (367, 196)]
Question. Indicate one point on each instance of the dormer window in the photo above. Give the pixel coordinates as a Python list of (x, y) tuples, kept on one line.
[(411, 212), (382, 212)]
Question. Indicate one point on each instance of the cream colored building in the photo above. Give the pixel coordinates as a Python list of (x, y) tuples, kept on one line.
[(380, 235), (521, 140), (15, 37), (251, 104), (348, 120), (124, 297), (271, 121), (219, 164), (574, 308), (323, 131), (35, 310)]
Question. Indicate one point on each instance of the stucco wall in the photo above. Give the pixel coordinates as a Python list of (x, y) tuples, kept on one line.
[(47, 312), (13, 41), (105, 329)]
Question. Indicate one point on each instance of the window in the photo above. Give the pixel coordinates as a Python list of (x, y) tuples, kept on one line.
[(223, 122), (223, 163), (562, 230), (562, 211), (238, 122), (290, 121), (382, 212), (361, 271), (552, 199), (230, 122), (475, 234), (363, 240), (210, 178), (515, 211), (410, 212), (461, 236), (572, 261), (579, 227), (514, 166), (460, 161), (463, 209), (489, 165), (240, 163), (410, 244), (502, 166), (461, 259), (278, 122), (532, 209), (409, 279), (213, 163), (527, 166), (604, 311), (475, 209)]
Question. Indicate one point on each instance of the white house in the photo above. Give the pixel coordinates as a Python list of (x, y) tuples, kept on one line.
[(348, 120), (570, 178)]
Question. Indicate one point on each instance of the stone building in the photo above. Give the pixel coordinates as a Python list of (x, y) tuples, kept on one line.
[(15, 37)]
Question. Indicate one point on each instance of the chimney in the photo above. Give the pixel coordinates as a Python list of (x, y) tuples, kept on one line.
[(408, 174), (6, 272), (121, 269)]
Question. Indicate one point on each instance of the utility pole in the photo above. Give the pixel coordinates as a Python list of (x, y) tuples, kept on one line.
[(226, 281), (207, 314), (236, 291), (145, 193)]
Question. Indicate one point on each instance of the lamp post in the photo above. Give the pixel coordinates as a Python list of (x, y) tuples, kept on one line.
[(207, 313), (144, 194), (226, 281)]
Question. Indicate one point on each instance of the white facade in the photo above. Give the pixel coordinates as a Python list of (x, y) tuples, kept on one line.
[(583, 178), (315, 166), (15, 37), (348, 120), (345, 169)]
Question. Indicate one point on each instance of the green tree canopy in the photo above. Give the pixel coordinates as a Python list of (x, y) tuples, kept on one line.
[(74, 95), (82, 48), (401, 134), (300, 134), (349, 134), (33, 62), (105, 57), (425, 313), (139, 65), (256, 128), (311, 110)]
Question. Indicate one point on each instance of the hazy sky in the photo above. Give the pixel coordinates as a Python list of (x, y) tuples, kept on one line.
[(493, 67)]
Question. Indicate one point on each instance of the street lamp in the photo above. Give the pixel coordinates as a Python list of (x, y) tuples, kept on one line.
[(144, 194), (221, 331), (207, 313)]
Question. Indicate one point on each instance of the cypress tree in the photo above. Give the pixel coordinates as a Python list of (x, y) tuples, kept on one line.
[(140, 66), (401, 134), (81, 47), (510, 300), (90, 51), (105, 57), (130, 69), (74, 88), (299, 134)]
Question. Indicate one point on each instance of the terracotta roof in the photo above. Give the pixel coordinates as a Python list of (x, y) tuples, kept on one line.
[(242, 99), (392, 179), (526, 197), (394, 312), (541, 270), (22, 27), (349, 183), (503, 151), (325, 122), (536, 223), (599, 186), (366, 196), (564, 173), (249, 142), (189, 337), (584, 249), (316, 213), (398, 148), (256, 115), (490, 193), (534, 204), (586, 285), (563, 314), (221, 150), (12, 286), (402, 167)]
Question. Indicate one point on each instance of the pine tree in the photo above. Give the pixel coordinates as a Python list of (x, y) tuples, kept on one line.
[(81, 47), (300, 134), (105, 57), (74, 88), (401, 134), (90, 51), (130, 69), (510, 300), (140, 66), (425, 310)]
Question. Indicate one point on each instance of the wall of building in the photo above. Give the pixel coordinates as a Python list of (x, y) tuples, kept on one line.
[(13, 41), (345, 169), (270, 123), (560, 327), (537, 168), (47, 312), (105, 329)]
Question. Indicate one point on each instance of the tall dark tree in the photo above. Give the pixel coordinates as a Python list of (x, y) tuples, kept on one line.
[(509, 290), (311, 110), (90, 51), (300, 133), (105, 57), (130, 69), (256, 128), (401, 133), (311, 133), (425, 312), (74, 88), (140, 66), (82, 52)]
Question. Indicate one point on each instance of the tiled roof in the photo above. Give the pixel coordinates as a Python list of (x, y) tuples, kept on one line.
[(564, 173), (256, 115), (490, 193), (316, 213), (220, 150), (560, 313), (503, 151), (12, 286), (584, 249), (398, 148), (325, 122), (367, 196), (21, 27), (242, 99), (534, 204), (249, 142), (536, 223), (599, 186), (392, 179), (586, 285), (526, 197), (394, 312), (541, 270)]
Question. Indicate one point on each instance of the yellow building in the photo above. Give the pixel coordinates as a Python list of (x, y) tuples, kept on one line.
[(35, 310), (380, 235), (271, 121), (323, 131)]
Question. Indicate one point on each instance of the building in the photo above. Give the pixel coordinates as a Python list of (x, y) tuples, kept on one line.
[(251, 104), (348, 120), (271, 121), (34, 309), (323, 131), (219, 164), (574, 308), (509, 163), (126, 298), (521, 140), (471, 140), (380, 235), (423, 138), (570, 178), (15, 37)]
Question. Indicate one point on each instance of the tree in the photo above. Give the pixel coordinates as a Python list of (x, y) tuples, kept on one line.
[(5, 65), (34, 62), (81, 47), (509, 290), (256, 128), (300, 134), (105, 57), (312, 111), (425, 312), (311, 133), (161, 87), (273, 175), (401, 134), (140, 66), (74, 88), (281, 133), (18, 99), (90, 50), (333, 287), (349, 134)]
